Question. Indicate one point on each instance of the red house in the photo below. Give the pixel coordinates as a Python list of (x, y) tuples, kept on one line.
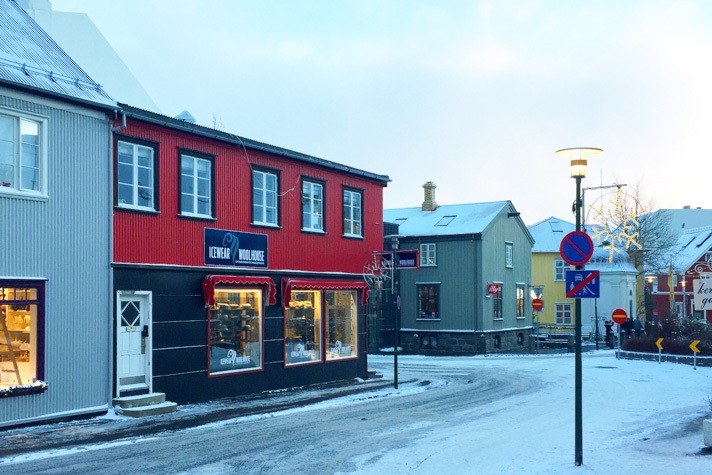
[(683, 289), (237, 265)]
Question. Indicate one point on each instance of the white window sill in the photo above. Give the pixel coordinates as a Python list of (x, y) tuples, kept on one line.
[(498, 319), (22, 195), (421, 319)]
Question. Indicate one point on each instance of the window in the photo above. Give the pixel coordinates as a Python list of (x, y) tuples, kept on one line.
[(136, 176), (312, 206), (508, 255), (497, 302), (520, 300), (560, 268), (563, 313), (303, 327), (429, 301), (23, 167), (353, 213), (427, 255), (235, 331), (196, 186), (655, 284), (674, 280), (265, 198), (21, 327), (341, 317)]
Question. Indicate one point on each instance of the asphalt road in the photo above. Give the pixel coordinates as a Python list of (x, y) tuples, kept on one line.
[(335, 436)]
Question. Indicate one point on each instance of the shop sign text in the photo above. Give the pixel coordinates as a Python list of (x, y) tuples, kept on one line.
[(233, 248)]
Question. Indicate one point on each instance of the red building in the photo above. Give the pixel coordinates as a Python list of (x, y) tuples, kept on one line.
[(690, 271), (237, 264)]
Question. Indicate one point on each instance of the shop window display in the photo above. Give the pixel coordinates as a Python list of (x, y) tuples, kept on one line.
[(236, 331), (429, 302), (18, 337), (303, 327), (341, 321)]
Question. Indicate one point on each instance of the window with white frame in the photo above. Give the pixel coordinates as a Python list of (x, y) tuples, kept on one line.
[(265, 198), (674, 280), (196, 186), (560, 268), (23, 167), (136, 176), (655, 284), (312, 206), (562, 313), (497, 312), (508, 255), (427, 255), (520, 300), (353, 213)]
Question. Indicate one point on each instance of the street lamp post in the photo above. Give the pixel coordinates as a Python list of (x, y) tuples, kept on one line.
[(395, 291), (579, 160), (684, 303)]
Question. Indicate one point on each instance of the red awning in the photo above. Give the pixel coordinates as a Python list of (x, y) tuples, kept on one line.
[(212, 280), (314, 284)]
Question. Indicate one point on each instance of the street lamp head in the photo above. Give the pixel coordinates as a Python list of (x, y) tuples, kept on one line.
[(579, 158)]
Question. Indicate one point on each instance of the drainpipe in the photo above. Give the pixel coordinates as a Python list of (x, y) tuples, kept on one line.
[(110, 379)]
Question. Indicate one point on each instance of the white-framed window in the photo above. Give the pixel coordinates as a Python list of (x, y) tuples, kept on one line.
[(312, 206), (265, 198), (429, 301), (23, 154), (509, 255), (135, 176), (655, 284), (563, 313), (353, 213), (196, 186), (497, 311), (674, 280), (520, 300), (560, 268), (427, 255)]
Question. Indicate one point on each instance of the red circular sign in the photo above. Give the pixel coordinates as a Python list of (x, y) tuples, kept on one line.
[(537, 304), (619, 316)]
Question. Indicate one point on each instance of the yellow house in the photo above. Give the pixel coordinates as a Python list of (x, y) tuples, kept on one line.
[(549, 271)]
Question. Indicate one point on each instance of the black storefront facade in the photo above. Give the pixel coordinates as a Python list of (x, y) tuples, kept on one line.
[(191, 358)]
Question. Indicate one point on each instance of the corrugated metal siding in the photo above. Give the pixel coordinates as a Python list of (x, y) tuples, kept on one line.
[(506, 229), (65, 240), (168, 239)]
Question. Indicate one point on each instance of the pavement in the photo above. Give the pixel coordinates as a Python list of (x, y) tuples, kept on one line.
[(112, 427)]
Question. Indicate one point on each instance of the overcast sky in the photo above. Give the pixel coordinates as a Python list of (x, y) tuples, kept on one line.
[(475, 96)]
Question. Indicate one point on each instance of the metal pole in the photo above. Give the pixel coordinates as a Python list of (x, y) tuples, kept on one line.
[(396, 336), (577, 335)]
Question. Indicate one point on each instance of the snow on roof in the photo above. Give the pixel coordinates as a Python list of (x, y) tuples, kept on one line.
[(690, 247), (548, 234), (445, 220), (29, 58)]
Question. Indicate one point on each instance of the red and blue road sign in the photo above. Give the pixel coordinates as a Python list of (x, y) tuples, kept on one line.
[(583, 284), (576, 248)]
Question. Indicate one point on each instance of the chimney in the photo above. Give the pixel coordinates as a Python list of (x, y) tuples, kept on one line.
[(429, 204)]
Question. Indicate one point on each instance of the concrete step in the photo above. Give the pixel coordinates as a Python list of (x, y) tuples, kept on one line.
[(140, 400), (150, 410)]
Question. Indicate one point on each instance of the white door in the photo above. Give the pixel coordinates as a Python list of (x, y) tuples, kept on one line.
[(133, 342)]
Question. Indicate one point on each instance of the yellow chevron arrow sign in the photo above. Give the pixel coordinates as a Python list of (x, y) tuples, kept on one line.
[(693, 346), (659, 344)]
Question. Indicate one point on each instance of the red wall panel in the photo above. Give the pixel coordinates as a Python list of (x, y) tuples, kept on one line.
[(166, 238)]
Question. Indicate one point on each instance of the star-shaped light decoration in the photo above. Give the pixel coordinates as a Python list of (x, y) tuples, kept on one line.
[(616, 225)]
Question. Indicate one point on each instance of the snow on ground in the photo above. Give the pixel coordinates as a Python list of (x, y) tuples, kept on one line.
[(637, 416)]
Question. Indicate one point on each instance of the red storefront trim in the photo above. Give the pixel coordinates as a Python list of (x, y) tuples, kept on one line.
[(212, 280), (289, 284)]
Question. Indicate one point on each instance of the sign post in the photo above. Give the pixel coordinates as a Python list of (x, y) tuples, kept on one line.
[(695, 350), (537, 306), (659, 344), (619, 316)]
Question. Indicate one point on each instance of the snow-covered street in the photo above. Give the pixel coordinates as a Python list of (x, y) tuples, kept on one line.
[(483, 414)]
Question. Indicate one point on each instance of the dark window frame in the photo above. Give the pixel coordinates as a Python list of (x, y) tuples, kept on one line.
[(156, 164), (213, 173), (360, 191), (271, 171), (306, 179)]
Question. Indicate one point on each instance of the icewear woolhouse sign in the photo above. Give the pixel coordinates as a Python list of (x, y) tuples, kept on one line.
[(235, 249)]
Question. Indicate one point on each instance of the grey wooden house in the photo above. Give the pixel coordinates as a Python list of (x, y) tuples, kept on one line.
[(55, 209), (470, 294)]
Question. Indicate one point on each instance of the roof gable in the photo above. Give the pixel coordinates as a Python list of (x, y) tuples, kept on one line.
[(548, 234), (445, 220), (30, 59), (690, 247)]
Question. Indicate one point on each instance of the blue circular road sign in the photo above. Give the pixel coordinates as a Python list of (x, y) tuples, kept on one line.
[(576, 248)]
